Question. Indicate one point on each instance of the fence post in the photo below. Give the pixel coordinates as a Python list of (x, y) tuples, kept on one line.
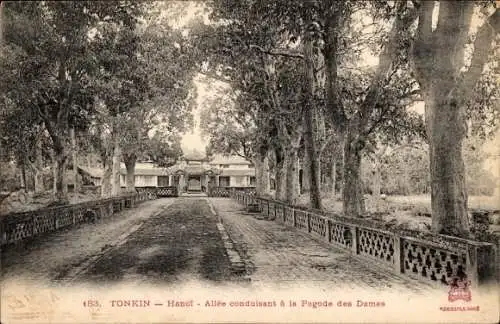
[(327, 230), (57, 222), (308, 222), (398, 254), (480, 269), (354, 232)]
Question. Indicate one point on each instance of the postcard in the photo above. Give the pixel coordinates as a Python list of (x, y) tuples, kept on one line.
[(249, 161)]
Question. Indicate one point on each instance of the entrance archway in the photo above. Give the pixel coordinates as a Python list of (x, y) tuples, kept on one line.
[(194, 183)]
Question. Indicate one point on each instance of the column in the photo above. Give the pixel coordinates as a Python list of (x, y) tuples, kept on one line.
[(217, 180), (170, 180), (181, 183)]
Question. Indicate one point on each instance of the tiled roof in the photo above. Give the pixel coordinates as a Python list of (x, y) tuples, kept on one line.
[(229, 159), (241, 172), (148, 172), (194, 169), (194, 156)]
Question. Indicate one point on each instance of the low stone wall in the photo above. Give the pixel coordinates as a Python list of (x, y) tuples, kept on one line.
[(16, 227), (155, 192), (435, 259), (226, 191)]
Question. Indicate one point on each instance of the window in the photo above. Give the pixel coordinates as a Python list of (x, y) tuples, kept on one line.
[(224, 181), (238, 181), (163, 181), (146, 181), (253, 181)]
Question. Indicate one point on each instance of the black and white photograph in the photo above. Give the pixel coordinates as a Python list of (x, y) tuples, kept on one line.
[(250, 161)]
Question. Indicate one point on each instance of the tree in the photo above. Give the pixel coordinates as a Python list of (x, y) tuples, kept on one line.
[(120, 87), (56, 66), (229, 129), (265, 64), (166, 97), (361, 102), (447, 83), (232, 53)]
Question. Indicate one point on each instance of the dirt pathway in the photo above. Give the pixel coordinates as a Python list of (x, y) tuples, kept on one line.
[(54, 256), (285, 256), (178, 245)]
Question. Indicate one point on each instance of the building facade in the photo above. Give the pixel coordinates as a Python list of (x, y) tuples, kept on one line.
[(195, 173)]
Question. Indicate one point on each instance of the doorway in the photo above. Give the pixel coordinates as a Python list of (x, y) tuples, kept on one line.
[(194, 183)]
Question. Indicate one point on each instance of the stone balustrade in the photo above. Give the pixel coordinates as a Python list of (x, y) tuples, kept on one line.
[(16, 227), (435, 259), (155, 192), (226, 191)]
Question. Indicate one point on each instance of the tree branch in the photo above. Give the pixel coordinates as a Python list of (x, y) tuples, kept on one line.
[(482, 50), (373, 125), (422, 48), (388, 64), (278, 52), (216, 77)]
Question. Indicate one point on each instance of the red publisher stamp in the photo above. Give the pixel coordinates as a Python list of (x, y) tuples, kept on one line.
[(459, 289)]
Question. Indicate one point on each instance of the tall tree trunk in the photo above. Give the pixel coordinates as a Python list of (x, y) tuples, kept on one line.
[(306, 174), (38, 180), (130, 166), (279, 174), (22, 176), (310, 144), (53, 159), (323, 176), (352, 194), (313, 166), (448, 188), (438, 60), (334, 24), (377, 183), (107, 158), (38, 166), (74, 157), (262, 174), (60, 186), (341, 164), (1, 23), (281, 179), (265, 181), (106, 177), (333, 175), (406, 180), (258, 170), (115, 177), (292, 177)]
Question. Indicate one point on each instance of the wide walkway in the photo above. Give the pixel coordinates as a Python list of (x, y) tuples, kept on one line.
[(285, 256), (177, 240), (164, 241)]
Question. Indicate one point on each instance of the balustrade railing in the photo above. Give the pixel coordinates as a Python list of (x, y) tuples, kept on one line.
[(435, 259), (226, 191), (16, 227), (155, 192)]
